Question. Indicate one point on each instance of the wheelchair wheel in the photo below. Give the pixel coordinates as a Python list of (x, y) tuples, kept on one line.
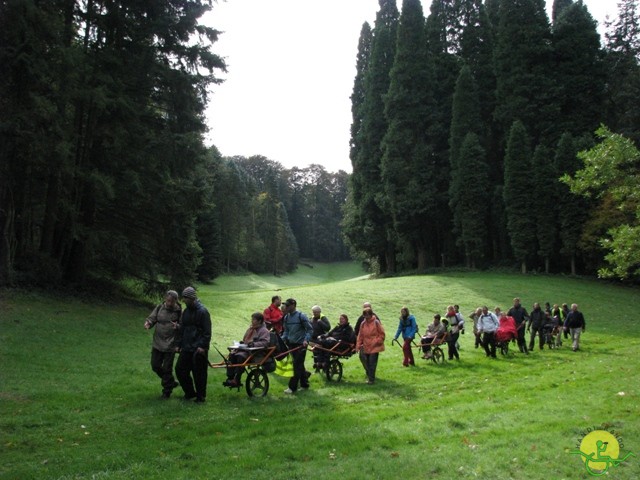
[(334, 370), (257, 383), (437, 355)]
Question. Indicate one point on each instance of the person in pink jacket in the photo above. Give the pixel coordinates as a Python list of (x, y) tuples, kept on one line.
[(370, 343)]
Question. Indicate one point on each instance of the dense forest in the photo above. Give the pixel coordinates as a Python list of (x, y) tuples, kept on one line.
[(463, 123)]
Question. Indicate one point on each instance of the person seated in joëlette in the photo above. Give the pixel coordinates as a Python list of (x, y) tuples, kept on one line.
[(341, 335), (435, 331), (256, 336)]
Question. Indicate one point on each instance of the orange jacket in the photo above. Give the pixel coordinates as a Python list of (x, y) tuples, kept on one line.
[(371, 336)]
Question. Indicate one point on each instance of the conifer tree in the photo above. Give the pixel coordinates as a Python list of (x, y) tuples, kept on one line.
[(474, 205), (578, 71), (367, 227), (518, 205), (572, 209), (405, 170), (465, 120), (543, 192), (525, 90)]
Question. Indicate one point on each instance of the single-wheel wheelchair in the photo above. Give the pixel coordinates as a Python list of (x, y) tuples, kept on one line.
[(259, 362), (331, 357), (435, 353)]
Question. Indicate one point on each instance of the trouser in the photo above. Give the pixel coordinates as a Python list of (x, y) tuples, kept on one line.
[(236, 358), (370, 364), (426, 344), (522, 343), (452, 339), (162, 364), (536, 331), (192, 365), (478, 340), (575, 337), (489, 340), (299, 373), (407, 352)]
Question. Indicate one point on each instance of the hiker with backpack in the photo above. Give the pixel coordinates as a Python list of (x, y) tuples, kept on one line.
[(165, 319), (296, 334)]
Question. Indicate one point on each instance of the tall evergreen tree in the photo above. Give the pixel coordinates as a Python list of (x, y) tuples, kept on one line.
[(523, 62), (465, 120), (578, 71), (474, 205), (543, 192), (358, 94), (406, 172), (558, 7), (517, 175), (623, 82), (367, 227), (572, 209)]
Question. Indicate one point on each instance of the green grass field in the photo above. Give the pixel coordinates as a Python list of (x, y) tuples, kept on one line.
[(78, 398)]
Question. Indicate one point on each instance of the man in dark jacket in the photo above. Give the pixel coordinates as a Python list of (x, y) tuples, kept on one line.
[(576, 325), (537, 319), (520, 315), (194, 338)]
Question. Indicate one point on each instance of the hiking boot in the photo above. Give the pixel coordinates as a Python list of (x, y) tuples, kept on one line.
[(200, 400), (288, 391)]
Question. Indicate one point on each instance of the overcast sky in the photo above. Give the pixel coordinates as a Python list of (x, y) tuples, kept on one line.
[(291, 65)]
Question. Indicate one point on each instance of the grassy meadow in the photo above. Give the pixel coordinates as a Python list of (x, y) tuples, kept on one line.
[(78, 399)]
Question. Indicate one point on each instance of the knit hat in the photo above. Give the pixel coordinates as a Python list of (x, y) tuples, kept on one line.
[(189, 292)]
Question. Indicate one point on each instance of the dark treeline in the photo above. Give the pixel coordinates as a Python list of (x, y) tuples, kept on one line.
[(103, 170), (464, 121), (262, 217)]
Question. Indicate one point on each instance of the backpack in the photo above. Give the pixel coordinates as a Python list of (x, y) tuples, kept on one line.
[(275, 340)]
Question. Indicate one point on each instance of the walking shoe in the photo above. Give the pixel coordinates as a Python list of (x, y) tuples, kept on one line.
[(165, 395), (304, 388), (189, 397), (288, 391), (200, 400)]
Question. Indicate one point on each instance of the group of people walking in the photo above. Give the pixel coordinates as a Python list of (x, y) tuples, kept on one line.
[(187, 332)]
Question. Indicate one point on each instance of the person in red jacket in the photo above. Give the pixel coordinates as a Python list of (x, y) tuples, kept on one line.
[(273, 315)]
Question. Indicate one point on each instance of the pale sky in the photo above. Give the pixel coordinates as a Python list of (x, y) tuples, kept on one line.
[(291, 66)]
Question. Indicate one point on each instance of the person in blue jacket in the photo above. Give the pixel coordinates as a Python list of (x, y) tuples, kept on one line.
[(407, 327)]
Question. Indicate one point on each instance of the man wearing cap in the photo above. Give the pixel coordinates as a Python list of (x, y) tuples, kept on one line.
[(297, 333), (194, 338)]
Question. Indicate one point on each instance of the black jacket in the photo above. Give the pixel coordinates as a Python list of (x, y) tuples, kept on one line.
[(195, 328)]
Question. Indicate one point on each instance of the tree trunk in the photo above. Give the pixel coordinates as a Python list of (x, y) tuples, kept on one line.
[(422, 257), (546, 265), (523, 267), (573, 264)]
